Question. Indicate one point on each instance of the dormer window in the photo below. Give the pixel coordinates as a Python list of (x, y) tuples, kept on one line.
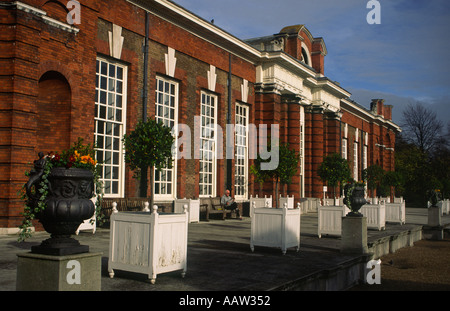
[(305, 57)]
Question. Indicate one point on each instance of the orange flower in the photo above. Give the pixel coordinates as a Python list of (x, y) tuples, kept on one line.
[(86, 159), (76, 155)]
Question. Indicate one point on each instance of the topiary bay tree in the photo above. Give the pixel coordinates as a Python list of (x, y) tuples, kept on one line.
[(283, 173), (374, 175), (149, 145), (334, 170)]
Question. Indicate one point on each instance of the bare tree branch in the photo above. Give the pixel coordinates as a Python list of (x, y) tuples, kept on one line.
[(421, 127)]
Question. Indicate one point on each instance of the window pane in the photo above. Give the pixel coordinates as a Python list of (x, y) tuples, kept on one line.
[(102, 112), (104, 68), (103, 83), (112, 71), (103, 98)]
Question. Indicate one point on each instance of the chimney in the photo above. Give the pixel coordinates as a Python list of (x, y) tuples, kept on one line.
[(377, 107), (318, 55), (388, 112)]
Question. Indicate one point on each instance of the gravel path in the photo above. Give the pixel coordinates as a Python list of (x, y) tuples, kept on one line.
[(423, 267)]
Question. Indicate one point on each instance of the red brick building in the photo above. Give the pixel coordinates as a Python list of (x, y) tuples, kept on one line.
[(97, 75)]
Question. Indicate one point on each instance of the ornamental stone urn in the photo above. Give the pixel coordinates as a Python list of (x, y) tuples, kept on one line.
[(354, 225), (68, 204), (354, 199), (435, 226)]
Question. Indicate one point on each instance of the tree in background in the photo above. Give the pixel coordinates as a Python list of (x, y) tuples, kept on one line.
[(392, 183), (422, 155), (421, 128)]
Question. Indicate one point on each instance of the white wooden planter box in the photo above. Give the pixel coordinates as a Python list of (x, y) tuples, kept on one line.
[(398, 200), (275, 227), (330, 219), (89, 224), (148, 243), (310, 204), (333, 202), (193, 208), (395, 212), (386, 199), (446, 207), (288, 200), (375, 214), (259, 202)]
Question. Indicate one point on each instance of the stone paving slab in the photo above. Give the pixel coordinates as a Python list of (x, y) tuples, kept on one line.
[(219, 257)]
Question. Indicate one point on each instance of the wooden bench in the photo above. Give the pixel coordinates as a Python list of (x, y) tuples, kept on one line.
[(215, 207), (123, 205), (136, 204)]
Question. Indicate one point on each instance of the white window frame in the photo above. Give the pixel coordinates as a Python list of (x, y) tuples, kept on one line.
[(364, 163), (161, 109), (344, 148), (242, 117), (302, 151), (365, 157), (208, 145), (355, 160), (110, 125)]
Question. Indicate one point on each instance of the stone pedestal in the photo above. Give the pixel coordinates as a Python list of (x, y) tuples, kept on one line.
[(37, 272), (435, 228), (434, 216), (354, 235)]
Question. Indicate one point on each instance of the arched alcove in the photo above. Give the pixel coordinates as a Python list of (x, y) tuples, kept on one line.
[(53, 113), (56, 9)]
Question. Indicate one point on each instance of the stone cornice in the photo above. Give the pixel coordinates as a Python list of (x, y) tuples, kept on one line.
[(42, 14), (192, 23), (361, 112)]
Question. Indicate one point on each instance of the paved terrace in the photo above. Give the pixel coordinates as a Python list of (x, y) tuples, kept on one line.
[(220, 259)]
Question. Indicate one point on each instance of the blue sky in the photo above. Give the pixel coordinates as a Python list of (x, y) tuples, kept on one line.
[(404, 59)]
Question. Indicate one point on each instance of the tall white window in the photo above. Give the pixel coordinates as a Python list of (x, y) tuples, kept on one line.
[(302, 151), (355, 160), (241, 150), (364, 157), (208, 141), (365, 160), (166, 111), (110, 118), (344, 148)]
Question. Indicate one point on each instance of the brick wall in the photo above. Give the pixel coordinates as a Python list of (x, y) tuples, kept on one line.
[(47, 94), (38, 111)]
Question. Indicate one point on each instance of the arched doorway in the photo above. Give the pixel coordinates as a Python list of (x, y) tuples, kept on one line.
[(53, 113)]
